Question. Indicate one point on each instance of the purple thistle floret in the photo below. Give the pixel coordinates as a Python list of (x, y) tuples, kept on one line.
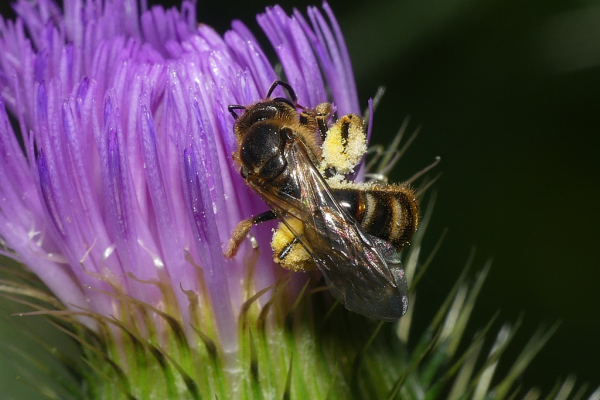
[(120, 168)]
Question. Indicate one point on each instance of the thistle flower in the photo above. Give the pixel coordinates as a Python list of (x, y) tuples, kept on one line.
[(126, 173), (117, 191)]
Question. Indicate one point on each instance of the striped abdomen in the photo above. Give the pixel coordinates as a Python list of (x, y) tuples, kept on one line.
[(389, 212)]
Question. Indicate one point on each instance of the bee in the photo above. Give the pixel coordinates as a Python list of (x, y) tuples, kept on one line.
[(351, 232)]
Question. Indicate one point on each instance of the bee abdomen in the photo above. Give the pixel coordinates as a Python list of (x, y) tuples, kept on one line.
[(388, 212)]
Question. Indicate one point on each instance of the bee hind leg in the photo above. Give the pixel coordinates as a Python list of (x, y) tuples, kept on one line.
[(241, 230), (287, 249)]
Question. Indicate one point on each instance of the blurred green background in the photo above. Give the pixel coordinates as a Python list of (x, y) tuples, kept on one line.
[(507, 93)]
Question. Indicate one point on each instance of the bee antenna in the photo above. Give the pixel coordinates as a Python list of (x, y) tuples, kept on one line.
[(287, 87), (233, 107)]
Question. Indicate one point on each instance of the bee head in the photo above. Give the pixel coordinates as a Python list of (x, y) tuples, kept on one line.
[(276, 111)]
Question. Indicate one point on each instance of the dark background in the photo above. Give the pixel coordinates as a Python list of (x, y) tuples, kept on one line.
[(507, 92)]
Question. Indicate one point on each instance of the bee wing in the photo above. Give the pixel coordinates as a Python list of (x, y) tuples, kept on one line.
[(363, 272)]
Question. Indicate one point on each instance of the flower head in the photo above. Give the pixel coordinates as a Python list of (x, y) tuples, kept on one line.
[(124, 174), (117, 185)]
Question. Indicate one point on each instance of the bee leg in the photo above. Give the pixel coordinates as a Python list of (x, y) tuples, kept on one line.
[(344, 146), (287, 249), (317, 116), (329, 172), (322, 124), (323, 112), (241, 230)]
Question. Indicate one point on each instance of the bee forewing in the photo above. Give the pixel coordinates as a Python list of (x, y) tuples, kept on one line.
[(363, 272)]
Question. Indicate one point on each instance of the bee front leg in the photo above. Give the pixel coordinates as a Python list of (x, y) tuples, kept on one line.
[(323, 112), (241, 230), (316, 118)]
